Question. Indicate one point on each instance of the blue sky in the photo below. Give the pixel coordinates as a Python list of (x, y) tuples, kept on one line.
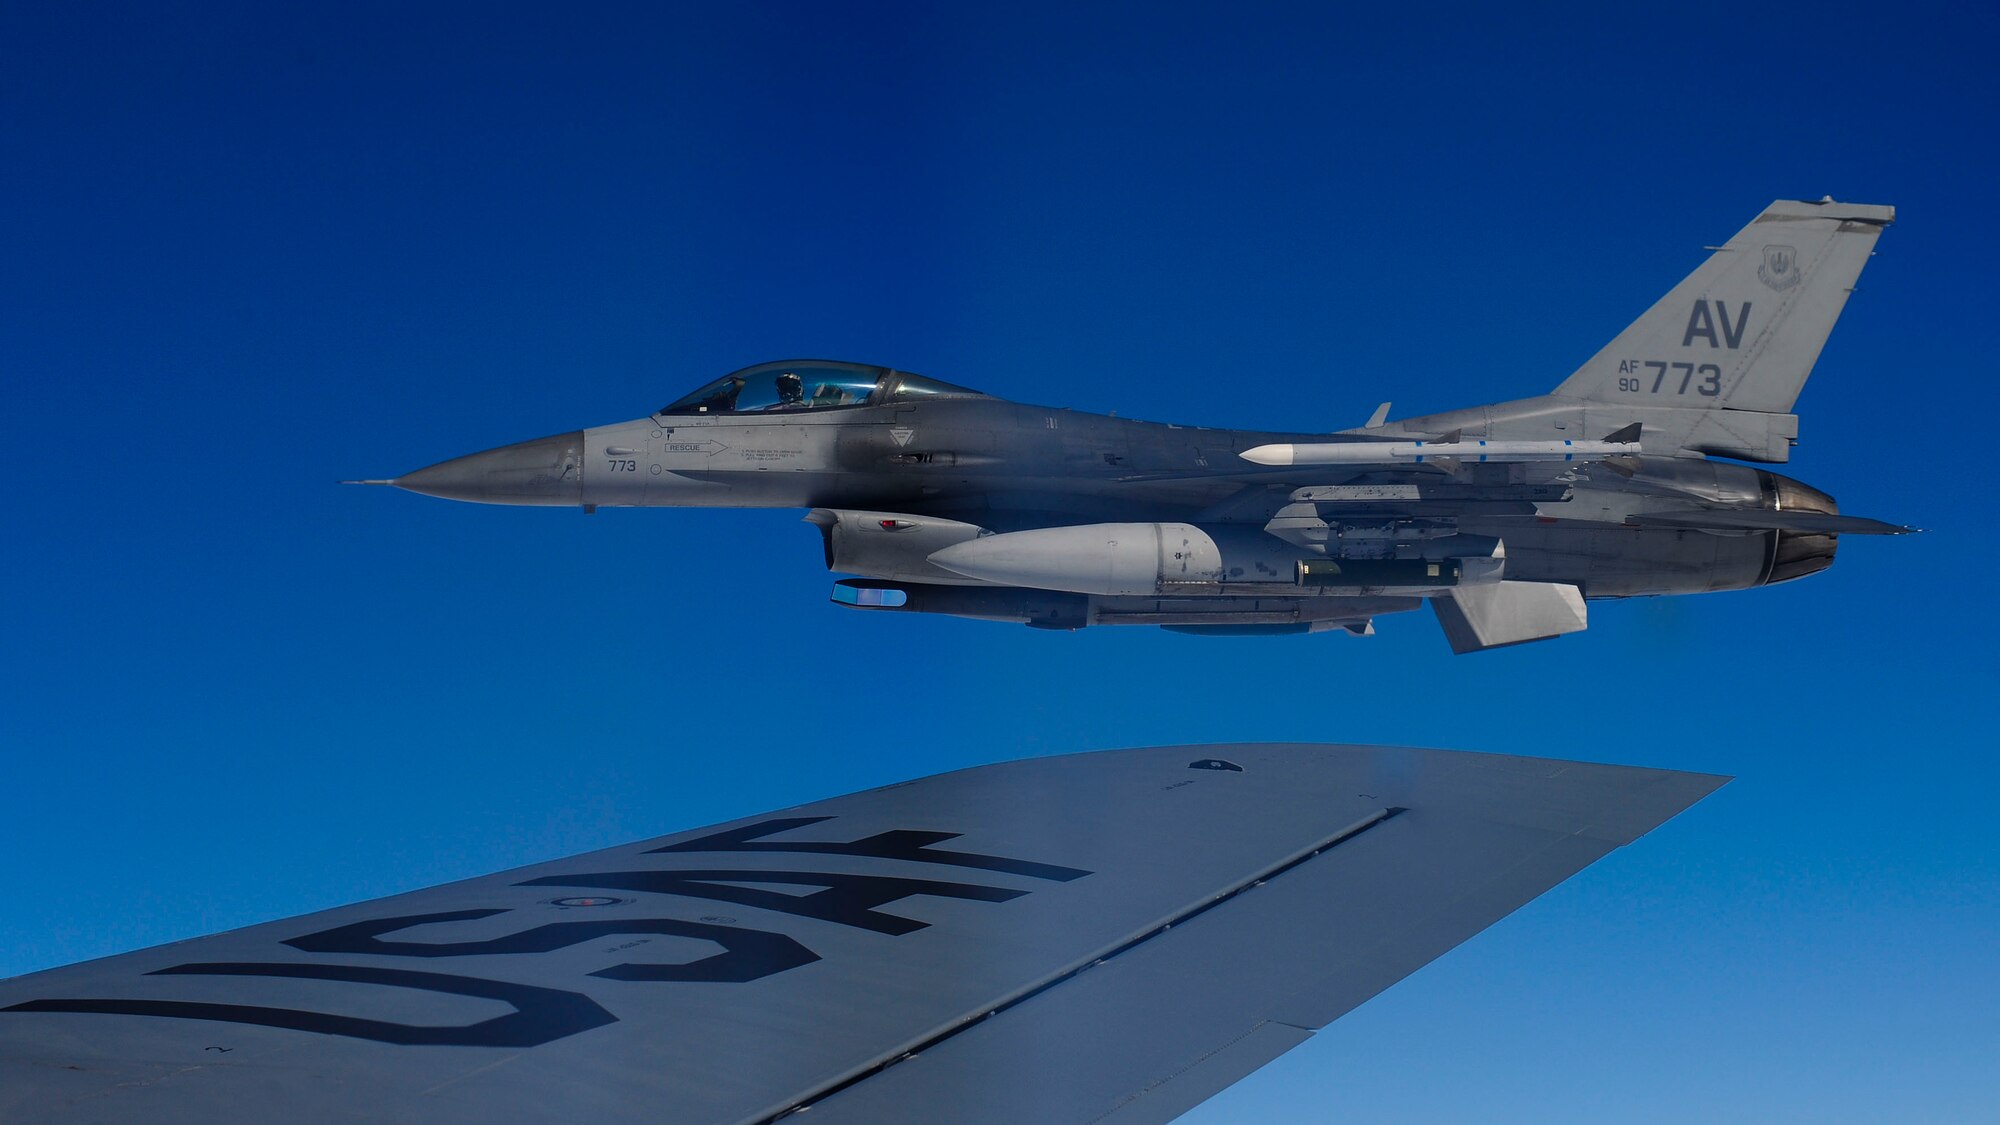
[(249, 251)]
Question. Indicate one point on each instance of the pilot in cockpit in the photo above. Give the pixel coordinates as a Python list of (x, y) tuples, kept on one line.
[(791, 391), (723, 397)]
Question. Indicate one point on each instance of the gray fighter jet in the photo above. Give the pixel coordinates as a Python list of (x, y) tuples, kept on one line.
[(1507, 518)]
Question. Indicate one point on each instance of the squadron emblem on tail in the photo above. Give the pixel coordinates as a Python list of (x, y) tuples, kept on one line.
[(1780, 269)]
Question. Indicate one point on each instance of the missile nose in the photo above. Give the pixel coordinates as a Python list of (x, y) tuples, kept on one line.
[(545, 471)]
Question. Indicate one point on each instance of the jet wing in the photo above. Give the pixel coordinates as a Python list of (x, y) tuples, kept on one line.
[(1110, 936)]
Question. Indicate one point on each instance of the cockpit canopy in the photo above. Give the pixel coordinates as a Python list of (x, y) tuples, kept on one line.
[(810, 384)]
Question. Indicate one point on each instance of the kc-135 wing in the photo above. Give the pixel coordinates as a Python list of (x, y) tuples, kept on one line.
[(1099, 937)]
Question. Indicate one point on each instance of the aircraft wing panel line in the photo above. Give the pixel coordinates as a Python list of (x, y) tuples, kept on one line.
[(1134, 1042), (1088, 961)]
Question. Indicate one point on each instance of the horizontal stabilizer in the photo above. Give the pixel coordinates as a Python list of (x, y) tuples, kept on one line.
[(1761, 519), (1509, 613)]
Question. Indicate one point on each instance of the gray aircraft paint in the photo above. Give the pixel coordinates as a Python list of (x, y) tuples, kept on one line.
[(942, 500), (1110, 936)]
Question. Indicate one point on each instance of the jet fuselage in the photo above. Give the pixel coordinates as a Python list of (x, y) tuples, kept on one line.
[(1504, 517), (1008, 466)]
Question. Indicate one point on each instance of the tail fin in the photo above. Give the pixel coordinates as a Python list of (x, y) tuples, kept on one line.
[(1742, 332)]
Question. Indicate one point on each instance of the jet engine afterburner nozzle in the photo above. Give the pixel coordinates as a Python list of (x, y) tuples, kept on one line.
[(1795, 554)]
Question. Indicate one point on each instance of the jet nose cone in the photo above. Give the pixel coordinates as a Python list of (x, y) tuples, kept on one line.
[(543, 471)]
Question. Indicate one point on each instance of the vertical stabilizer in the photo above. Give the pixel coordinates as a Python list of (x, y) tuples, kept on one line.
[(1742, 331)]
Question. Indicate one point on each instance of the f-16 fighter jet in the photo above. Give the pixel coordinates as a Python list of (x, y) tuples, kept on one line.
[(1506, 518)]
